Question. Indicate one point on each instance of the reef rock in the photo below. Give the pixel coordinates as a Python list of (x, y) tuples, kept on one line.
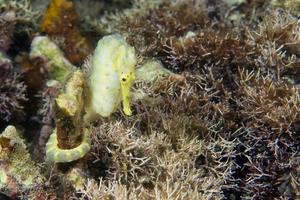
[(18, 173)]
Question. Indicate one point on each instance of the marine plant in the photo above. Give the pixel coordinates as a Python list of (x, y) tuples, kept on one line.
[(12, 91), (151, 29)]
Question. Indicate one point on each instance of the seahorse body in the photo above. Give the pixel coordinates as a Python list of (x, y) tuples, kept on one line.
[(57, 155), (69, 106), (112, 75)]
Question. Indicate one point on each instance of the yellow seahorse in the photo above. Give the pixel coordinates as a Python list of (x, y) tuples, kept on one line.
[(111, 78), (112, 75), (58, 155)]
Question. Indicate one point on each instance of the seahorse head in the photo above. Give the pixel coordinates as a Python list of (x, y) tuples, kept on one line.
[(126, 83), (127, 75)]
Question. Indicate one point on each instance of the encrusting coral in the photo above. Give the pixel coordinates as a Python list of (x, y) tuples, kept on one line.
[(19, 175)]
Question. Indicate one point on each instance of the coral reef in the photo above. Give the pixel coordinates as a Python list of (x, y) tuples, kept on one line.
[(210, 93), (210, 103)]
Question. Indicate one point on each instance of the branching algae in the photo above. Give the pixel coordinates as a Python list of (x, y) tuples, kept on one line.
[(112, 75)]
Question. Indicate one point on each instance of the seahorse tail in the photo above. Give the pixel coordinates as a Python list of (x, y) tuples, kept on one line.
[(57, 155)]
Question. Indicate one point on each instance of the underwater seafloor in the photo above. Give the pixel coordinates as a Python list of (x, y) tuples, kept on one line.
[(182, 99)]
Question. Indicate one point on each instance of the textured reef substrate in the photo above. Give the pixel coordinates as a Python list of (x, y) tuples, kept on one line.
[(215, 104)]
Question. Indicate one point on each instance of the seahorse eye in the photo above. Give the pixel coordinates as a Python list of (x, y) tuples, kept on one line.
[(125, 78)]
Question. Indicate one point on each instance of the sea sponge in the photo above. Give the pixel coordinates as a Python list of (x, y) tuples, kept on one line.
[(57, 66), (112, 75), (62, 21)]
